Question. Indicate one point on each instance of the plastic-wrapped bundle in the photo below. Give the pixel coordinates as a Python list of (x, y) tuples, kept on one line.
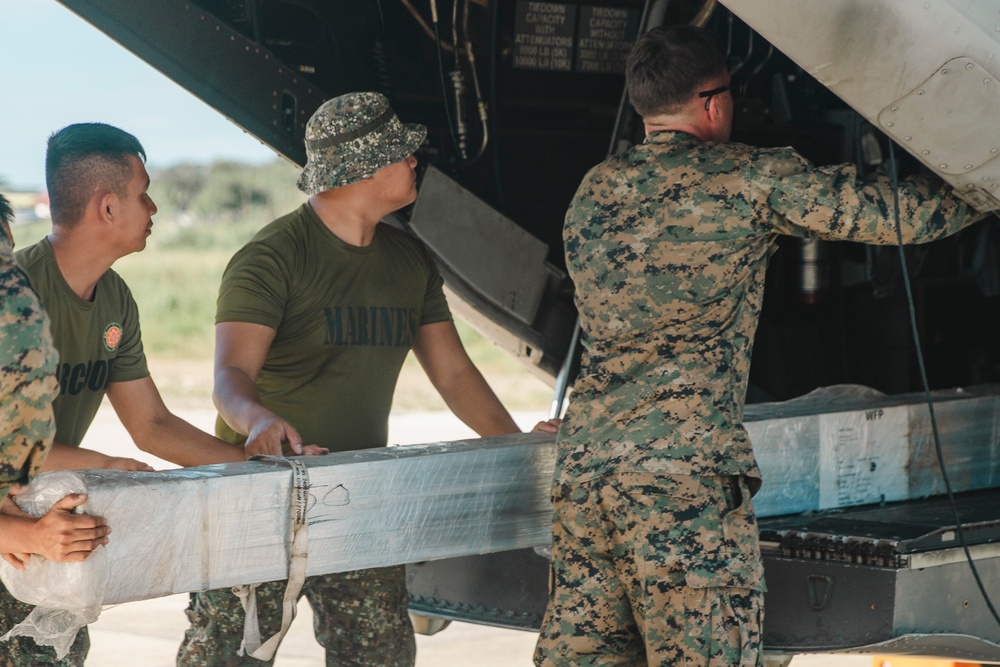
[(67, 596), (849, 445), (227, 525)]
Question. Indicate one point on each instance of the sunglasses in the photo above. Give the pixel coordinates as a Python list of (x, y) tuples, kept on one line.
[(709, 94)]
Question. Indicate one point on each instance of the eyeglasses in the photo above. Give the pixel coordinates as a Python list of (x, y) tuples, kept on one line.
[(709, 94)]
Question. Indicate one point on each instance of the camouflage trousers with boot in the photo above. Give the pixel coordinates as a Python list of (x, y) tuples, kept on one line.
[(360, 618), (651, 569), (23, 651)]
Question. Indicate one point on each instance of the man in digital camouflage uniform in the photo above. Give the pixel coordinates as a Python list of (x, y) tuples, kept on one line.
[(315, 317), (655, 554), (27, 372), (27, 388)]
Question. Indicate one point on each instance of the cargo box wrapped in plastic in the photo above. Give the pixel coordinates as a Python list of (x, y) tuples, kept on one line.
[(847, 445), (224, 525)]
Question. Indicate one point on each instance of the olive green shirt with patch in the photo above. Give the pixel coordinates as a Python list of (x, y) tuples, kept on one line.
[(668, 244), (345, 317), (99, 341)]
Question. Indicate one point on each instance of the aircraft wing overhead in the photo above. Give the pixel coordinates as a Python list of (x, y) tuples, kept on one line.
[(925, 73)]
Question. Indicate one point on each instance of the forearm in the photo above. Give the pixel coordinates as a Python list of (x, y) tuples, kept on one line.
[(470, 398), (173, 439), (928, 210), (238, 401), (65, 457), (17, 539), (832, 203), (463, 388), (17, 534)]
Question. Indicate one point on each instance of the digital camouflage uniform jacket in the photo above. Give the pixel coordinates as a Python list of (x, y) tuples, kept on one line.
[(27, 375), (667, 244)]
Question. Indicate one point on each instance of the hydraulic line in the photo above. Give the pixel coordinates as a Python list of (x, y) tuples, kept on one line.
[(494, 103), (458, 84), (480, 102), (440, 62), (423, 24)]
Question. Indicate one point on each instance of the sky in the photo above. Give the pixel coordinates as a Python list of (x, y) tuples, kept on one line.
[(57, 69)]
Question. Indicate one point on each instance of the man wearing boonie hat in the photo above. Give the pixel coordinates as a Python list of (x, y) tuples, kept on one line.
[(315, 317)]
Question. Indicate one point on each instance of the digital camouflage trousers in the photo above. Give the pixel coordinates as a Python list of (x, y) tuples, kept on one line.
[(23, 651), (360, 618), (653, 569)]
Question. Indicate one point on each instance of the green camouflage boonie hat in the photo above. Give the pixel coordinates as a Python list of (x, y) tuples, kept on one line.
[(351, 137)]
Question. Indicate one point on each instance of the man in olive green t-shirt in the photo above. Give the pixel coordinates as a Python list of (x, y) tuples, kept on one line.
[(315, 317), (101, 212)]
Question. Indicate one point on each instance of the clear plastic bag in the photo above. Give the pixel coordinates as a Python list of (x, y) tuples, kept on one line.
[(67, 596)]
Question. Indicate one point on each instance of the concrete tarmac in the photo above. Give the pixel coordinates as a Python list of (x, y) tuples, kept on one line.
[(148, 632)]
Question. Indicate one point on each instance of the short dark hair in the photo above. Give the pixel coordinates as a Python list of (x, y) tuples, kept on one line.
[(667, 66), (82, 159)]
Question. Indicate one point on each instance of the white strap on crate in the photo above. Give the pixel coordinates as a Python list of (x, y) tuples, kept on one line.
[(299, 554)]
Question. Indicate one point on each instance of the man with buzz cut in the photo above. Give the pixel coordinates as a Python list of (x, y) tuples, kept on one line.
[(315, 317), (101, 212)]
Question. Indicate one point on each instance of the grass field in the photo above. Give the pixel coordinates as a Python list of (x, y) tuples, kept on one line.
[(175, 282)]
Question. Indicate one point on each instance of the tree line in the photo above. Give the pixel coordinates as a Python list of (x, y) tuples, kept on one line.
[(224, 191)]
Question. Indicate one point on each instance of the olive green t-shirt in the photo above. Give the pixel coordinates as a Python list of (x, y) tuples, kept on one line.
[(99, 341), (345, 318)]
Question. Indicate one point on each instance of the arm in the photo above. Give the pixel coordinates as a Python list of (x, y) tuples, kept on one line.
[(161, 433), (442, 356), (59, 535), (240, 350), (833, 203), (66, 457)]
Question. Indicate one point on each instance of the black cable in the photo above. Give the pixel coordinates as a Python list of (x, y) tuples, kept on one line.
[(444, 86), (495, 104), (927, 388), (380, 57), (623, 101)]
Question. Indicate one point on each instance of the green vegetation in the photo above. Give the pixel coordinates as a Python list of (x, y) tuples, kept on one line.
[(225, 192), (206, 213)]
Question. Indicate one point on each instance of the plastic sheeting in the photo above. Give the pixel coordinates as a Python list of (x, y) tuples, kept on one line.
[(68, 595), (220, 526), (847, 445)]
